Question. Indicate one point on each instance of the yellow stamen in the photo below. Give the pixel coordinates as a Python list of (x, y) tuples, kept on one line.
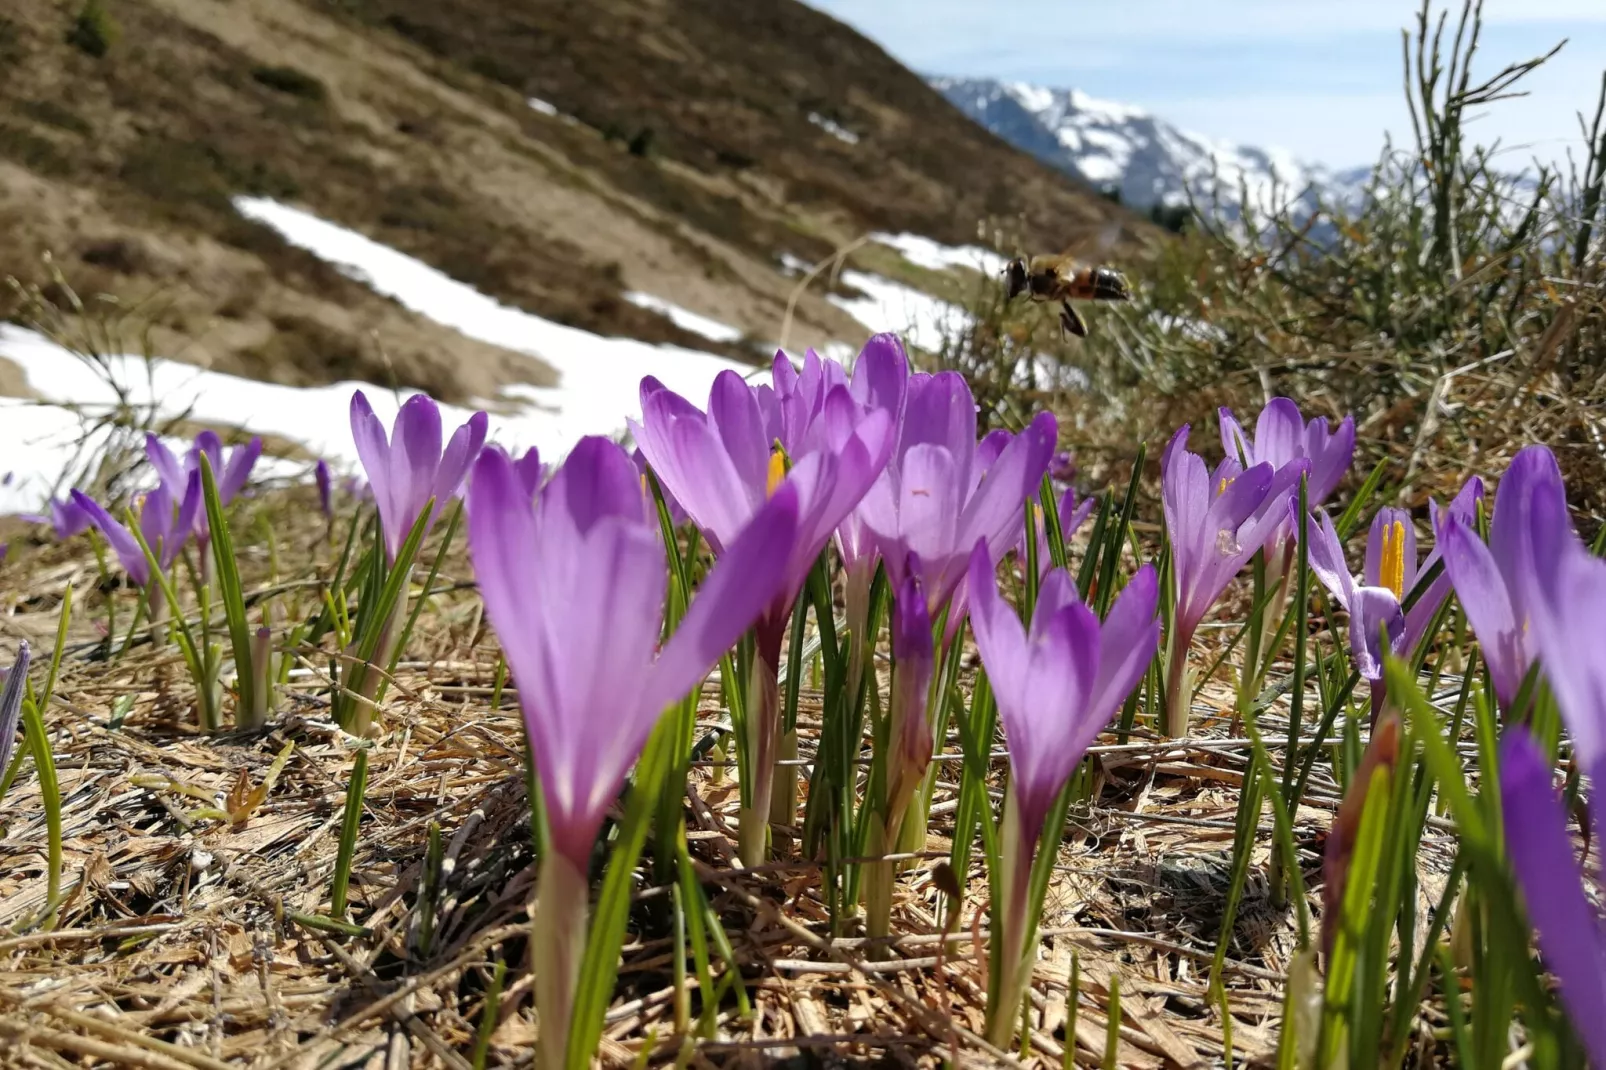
[(777, 471), (1391, 572), (1226, 481)]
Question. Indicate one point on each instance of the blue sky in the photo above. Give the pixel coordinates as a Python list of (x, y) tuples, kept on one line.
[(1321, 78)]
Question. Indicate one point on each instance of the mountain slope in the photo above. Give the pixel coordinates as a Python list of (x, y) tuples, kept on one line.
[(1143, 158), (557, 157)]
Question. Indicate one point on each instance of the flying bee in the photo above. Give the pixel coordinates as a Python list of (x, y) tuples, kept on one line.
[(1062, 279)]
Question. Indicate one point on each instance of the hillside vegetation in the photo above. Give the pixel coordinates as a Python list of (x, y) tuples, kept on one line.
[(680, 149)]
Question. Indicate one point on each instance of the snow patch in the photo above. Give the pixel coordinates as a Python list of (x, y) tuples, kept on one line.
[(920, 319), (597, 386), (686, 319), (935, 256), (543, 106)]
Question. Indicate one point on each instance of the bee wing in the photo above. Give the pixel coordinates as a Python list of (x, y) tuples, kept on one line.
[(1090, 246)]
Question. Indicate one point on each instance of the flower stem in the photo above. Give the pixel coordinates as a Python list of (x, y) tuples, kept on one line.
[(783, 801), (1178, 695), (1011, 930), (764, 729), (558, 942)]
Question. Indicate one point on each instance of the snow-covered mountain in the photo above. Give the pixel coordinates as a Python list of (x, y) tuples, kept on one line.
[(1121, 148)]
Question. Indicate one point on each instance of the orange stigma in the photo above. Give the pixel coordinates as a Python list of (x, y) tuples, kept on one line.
[(777, 471), (1391, 571)]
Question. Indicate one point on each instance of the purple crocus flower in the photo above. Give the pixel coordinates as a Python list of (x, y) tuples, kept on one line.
[(231, 474), (720, 466), (1057, 684), (1494, 581), (320, 475), (1282, 437), (1062, 467), (67, 518), (409, 469), (1073, 513), (943, 491), (11, 703), (575, 590), (1216, 521), (1389, 574), (1572, 935), (164, 525)]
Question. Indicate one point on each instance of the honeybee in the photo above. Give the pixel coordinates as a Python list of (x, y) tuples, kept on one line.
[(1062, 279)]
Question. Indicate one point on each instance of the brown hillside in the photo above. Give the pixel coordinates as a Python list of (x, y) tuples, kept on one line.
[(685, 164)]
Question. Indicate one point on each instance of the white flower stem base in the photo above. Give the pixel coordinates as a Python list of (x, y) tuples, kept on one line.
[(557, 945)]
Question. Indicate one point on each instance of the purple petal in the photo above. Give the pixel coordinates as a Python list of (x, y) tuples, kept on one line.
[(1234, 440), (530, 472), (734, 417), (1463, 509), (746, 579), (156, 523), (578, 619), (1373, 609), (238, 470), (1130, 637), (1530, 524), (1244, 496), (464, 447), (692, 465), (1045, 731), (1000, 636), (1279, 433), (913, 660), (320, 475), (1569, 618), (415, 457), (1326, 557), (168, 469), (68, 518), (191, 513), (881, 374), (929, 503), (1482, 590), (995, 511), (1331, 454), (118, 538), (1056, 591), (16, 680), (1552, 883), (988, 450), (939, 409), (373, 450)]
